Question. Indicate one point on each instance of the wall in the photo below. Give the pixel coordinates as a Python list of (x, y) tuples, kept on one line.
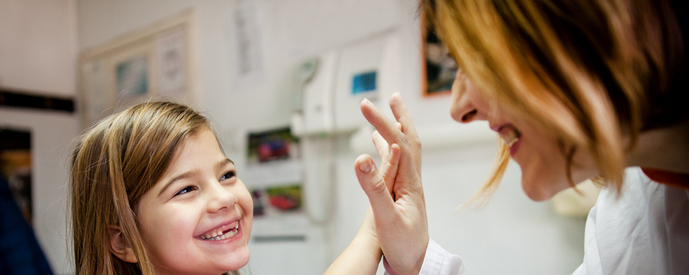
[(38, 54), (38, 46), (512, 235)]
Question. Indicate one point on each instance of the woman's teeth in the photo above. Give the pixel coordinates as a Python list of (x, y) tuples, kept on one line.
[(510, 136), (221, 233)]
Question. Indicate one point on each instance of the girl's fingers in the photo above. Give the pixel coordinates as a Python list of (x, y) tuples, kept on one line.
[(375, 188), (380, 144), (389, 159), (389, 167)]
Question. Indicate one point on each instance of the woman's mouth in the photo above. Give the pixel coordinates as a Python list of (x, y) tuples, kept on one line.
[(509, 135), (221, 233)]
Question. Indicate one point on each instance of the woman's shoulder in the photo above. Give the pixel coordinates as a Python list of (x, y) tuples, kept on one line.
[(641, 230)]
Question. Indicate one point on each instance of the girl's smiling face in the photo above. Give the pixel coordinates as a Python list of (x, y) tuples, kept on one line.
[(197, 218)]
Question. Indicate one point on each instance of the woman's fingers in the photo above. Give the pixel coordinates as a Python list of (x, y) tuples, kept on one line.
[(385, 127), (390, 132), (399, 110)]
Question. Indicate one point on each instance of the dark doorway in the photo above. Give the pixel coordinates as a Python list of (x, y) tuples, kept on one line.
[(15, 167)]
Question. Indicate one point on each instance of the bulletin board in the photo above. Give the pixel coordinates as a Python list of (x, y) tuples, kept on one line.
[(153, 63)]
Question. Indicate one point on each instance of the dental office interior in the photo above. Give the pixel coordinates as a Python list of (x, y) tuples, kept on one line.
[(282, 81)]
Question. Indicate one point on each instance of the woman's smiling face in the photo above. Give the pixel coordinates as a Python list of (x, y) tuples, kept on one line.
[(197, 218), (538, 153)]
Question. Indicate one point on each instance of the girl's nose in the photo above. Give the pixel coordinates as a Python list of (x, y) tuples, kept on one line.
[(220, 198)]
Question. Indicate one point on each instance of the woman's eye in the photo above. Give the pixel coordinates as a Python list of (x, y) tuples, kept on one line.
[(228, 175), (186, 190)]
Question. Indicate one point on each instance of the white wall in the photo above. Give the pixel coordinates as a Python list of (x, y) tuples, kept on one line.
[(38, 45), (38, 53), (512, 235)]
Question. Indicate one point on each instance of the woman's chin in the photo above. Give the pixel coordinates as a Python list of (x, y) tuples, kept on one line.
[(541, 190)]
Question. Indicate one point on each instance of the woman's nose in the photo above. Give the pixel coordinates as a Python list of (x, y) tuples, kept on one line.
[(220, 198), (464, 107), (464, 112)]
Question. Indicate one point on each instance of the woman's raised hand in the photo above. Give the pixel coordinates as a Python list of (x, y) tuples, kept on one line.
[(395, 191)]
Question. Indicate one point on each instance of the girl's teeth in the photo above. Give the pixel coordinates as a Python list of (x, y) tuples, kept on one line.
[(218, 234)]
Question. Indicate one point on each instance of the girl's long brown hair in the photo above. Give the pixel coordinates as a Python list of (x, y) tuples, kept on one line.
[(113, 165), (591, 72)]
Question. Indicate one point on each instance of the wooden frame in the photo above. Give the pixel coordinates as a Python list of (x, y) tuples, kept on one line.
[(152, 63)]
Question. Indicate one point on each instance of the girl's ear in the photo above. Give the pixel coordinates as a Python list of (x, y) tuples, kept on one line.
[(120, 246)]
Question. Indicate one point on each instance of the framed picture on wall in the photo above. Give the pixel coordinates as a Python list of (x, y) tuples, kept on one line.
[(131, 71), (438, 67), (152, 63)]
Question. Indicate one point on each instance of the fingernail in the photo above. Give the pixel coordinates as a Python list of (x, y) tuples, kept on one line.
[(366, 101), (366, 166)]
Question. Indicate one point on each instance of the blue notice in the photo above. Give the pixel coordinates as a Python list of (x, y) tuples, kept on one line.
[(364, 82)]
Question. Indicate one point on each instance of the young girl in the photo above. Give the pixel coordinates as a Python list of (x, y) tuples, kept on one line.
[(153, 193)]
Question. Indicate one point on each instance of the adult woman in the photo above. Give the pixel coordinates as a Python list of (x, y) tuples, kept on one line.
[(576, 90)]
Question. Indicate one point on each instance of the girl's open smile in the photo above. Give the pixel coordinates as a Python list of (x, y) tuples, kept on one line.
[(223, 232), (204, 207)]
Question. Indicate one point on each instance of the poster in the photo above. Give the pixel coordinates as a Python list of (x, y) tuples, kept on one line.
[(172, 70), (132, 76), (273, 172)]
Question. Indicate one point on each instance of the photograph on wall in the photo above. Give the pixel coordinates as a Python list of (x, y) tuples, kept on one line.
[(15, 169), (272, 145), (171, 56), (131, 77), (276, 200), (439, 69), (149, 63)]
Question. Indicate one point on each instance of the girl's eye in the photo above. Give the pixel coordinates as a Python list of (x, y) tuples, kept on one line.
[(186, 190), (228, 175)]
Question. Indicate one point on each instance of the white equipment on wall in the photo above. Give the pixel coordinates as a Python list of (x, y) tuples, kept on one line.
[(342, 78), (333, 86), (329, 91)]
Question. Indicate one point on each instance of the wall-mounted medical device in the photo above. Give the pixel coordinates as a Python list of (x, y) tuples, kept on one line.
[(341, 79), (331, 88)]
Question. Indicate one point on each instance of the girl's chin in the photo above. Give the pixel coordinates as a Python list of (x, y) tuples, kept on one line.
[(239, 260)]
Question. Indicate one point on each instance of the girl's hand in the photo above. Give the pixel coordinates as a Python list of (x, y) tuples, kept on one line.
[(395, 192)]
